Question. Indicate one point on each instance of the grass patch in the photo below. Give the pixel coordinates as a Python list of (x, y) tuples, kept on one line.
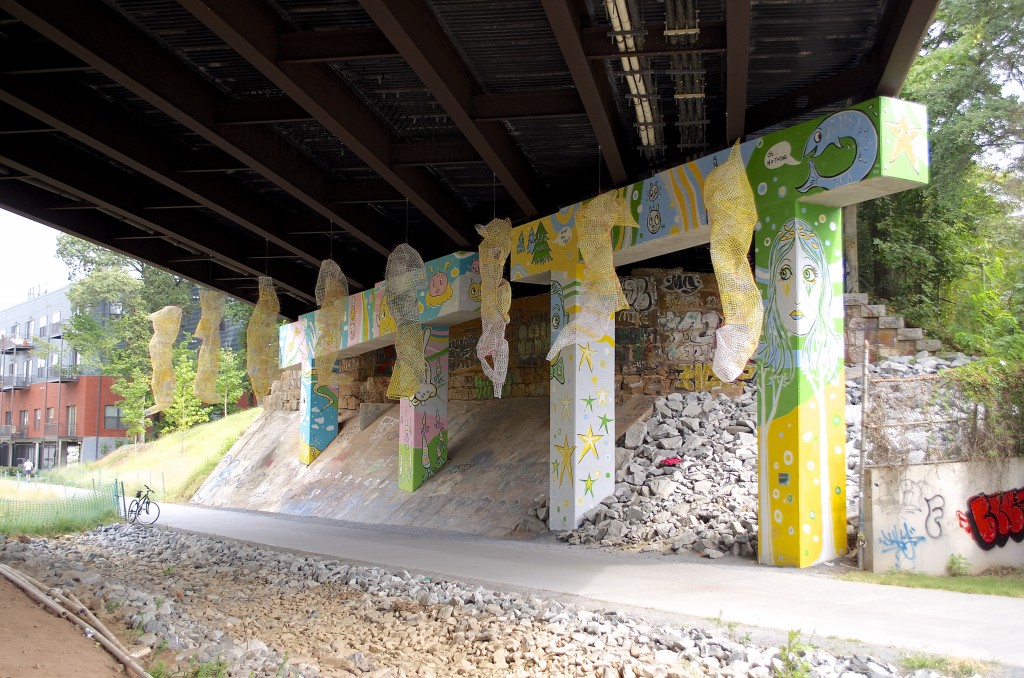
[(947, 666), (1010, 584), (174, 465)]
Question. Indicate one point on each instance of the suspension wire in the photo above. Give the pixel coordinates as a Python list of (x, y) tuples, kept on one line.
[(494, 195)]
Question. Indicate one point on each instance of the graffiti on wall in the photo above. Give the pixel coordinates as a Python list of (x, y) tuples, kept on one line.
[(700, 377), (903, 542), (996, 518), (642, 297), (690, 336)]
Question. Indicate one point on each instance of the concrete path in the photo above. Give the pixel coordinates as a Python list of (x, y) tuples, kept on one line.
[(916, 620)]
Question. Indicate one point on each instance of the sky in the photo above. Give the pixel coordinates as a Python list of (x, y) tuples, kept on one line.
[(27, 259)]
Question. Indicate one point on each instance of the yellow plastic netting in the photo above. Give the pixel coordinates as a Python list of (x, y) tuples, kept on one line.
[(208, 330), (600, 292), (331, 297), (166, 323), (405, 280), (261, 340), (495, 300), (730, 205)]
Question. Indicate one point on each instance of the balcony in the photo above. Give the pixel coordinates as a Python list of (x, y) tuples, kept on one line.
[(54, 330), (59, 430), (64, 373), (6, 432), (12, 381), (14, 344)]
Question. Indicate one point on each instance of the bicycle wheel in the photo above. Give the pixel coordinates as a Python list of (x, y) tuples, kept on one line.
[(133, 511), (148, 513)]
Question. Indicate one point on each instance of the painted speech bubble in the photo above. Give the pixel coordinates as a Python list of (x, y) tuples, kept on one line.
[(780, 154)]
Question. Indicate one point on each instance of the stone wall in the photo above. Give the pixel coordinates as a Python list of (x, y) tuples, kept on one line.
[(664, 343), (285, 393), (887, 335)]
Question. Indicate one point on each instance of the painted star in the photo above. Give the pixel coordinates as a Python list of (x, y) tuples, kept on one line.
[(594, 379), (566, 451), (602, 396), (566, 407), (589, 439), (588, 485), (586, 355), (903, 135), (604, 422), (589, 402)]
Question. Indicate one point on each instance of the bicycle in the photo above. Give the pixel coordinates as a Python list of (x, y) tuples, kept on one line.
[(143, 510)]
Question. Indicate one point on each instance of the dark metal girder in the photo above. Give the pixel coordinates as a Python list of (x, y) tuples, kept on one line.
[(261, 111), (38, 57), (599, 42), (433, 153), (591, 81), (365, 191), (845, 85), (421, 40), (344, 44), (901, 41), (107, 231), (519, 106), (84, 116), (527, 105), (252, 31), (56, 164), (112, 45), (737, 62)]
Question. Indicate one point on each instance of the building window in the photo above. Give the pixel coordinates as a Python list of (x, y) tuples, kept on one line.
[(15, 331), (29, 328), (7, 418), (37, 417), (49, 415), (112, 417), (72, 418), (23, 420), (55, 317)]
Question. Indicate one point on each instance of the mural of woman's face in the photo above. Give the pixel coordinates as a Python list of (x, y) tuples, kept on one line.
[(799, 290)]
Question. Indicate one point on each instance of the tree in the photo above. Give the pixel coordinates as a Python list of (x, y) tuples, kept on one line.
[(541, 249), (135, 399), (187, 410), (924, 249), (232, 379)]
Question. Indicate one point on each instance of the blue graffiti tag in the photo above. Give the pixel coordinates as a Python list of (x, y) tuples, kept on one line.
[(901, 540)]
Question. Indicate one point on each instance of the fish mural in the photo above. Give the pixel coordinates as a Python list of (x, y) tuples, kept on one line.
[(831, 132)]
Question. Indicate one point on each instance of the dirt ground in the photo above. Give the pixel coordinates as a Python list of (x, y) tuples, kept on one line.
[(35, 643)]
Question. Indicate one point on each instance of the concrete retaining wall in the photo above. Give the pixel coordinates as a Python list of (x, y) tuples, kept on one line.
[(918, 516)]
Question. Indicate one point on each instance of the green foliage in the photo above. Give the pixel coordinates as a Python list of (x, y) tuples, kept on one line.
[(792, 657), (232, 378), (997, 386), (947, 666), (135, 399), (958, 565), (947, 256), (1010, 585), (187, 410)]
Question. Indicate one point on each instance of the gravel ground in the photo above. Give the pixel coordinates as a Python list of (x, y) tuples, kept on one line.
[(266, 612)]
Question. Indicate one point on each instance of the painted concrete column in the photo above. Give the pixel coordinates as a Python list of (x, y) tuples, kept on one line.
[(851, 275), (802, 178), (582, 415), (423, 419), (801, 396), (318, 422)]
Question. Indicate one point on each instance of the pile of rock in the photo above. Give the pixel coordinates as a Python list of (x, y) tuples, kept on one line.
[(264, 612), (686, 479)]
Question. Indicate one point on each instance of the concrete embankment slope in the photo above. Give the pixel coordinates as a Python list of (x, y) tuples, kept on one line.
[(497, 463)]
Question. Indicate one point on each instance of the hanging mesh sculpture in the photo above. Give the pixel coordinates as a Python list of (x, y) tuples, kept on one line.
[(600, 292), (331, 296), (495, 300), (405, 281), (166, 323), (211, 304), (730, 204), (261, 340)]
